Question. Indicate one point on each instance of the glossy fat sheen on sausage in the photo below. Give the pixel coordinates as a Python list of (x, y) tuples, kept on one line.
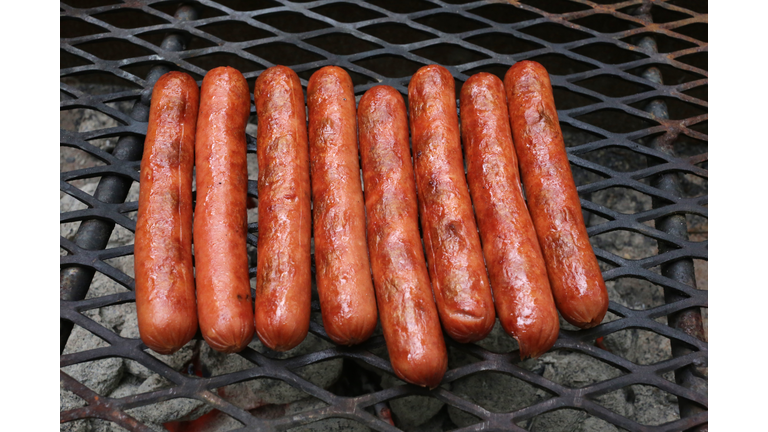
[(347, 300), (521, 291), (165, 283), (408, 314), (221, 222), (284, 262), (454, 254), (574, 273)]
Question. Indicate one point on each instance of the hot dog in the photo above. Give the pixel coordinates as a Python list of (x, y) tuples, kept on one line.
[(409, 317), (574, 274), (521, 291), (347, 300), (221, 260), (284, 261), (165, 284), (456, 267)]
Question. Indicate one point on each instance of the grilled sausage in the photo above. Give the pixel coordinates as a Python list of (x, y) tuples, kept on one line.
[(347, 300), (284, 261), (409, 317), (574, 273), (165, 283), (456, 267), (221, 223), (521, 291)]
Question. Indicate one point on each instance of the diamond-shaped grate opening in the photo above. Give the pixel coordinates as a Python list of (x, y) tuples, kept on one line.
[(342, 43), (608, 53), (347, 12), (622, 200), (616, 121), (396, 33), (330, 423), (503, 43), (639, 346), (574, 136), (605, 23), (390, 65), (113, 49), (185, 407), (635, 293), (664, 15), (697, 31), (576, 370), (129, 18), (557, 6), (566, 419), (73, 27), (235, 31), (613, 119), (618, 158), (692, 5), (403, 7), (630, 401), (449, 54), (248, 5), (612, 86), (503, 13), (497, 392), (626, 244), (556, 33), (69, 60), (450, 23), (291, 22), (700, 92), (83, 4), (566, 99), (284, 54), (698, 59)]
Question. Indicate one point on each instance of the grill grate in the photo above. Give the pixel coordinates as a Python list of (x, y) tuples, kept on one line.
[(630, 82)]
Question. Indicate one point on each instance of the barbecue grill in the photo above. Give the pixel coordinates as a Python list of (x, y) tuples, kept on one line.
[(630, 84)]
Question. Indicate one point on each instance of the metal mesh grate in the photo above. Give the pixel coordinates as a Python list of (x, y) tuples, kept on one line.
[(630, 82)]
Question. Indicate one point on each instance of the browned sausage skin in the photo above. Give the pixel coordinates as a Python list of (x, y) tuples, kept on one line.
[(455, 258), (165, 283), (221, 223), (521, 291), (409, 317), (283, 272), (574, 273), (347, 300)]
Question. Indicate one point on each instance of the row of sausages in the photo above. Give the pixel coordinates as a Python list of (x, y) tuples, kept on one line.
[(368, 249)]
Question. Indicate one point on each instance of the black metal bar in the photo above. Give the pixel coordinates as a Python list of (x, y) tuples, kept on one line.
[(94, 234), (693, 376)]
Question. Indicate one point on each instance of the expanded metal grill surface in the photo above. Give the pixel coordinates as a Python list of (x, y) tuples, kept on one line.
[(630, 79)]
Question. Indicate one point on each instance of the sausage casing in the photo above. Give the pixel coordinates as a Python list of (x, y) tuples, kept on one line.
[(408, 313), (456, 267), (284, 262), (347, 299), (221, 221), (165, 283), (574, 273), (521, 291)]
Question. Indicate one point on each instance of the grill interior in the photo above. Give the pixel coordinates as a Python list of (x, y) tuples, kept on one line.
[(630, 84)]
